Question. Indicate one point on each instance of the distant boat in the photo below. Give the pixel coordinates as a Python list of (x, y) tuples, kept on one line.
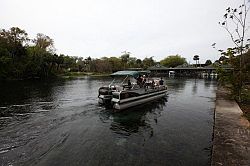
[(171, 73), (123, 95)]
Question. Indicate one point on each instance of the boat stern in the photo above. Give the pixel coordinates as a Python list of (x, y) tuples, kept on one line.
[(104, 99)]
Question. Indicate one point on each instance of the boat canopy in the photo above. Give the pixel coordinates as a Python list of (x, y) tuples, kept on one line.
[(144, 72), (134, 74)]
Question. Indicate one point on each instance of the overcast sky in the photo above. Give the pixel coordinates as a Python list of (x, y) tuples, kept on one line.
[(145, 28)]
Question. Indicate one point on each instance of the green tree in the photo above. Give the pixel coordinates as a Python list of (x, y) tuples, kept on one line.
[(44, 42), (147, 62), (13, 52), (21, 59), (60, 61), (15, 38), (80, 63), (125, 58), (208, 62), (88, 63), (101, 65), (44, 61), (116, 63), (139, 63), (173, 61), (69, 62), (132, 62)]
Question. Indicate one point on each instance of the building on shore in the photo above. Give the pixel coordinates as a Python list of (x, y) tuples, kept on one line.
[(187, 70)]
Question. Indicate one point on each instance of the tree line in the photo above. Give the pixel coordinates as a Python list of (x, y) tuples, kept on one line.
[(24, 58)]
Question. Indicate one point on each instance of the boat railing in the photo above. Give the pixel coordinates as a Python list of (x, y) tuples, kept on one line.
[(119, 88), (124, 79), (111, 83)]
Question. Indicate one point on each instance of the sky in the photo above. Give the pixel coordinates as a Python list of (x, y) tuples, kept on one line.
[(145, 28)]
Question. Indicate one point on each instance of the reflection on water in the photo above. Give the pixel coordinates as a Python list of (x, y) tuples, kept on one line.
[(131, 121), (60, 123), (195, 87)]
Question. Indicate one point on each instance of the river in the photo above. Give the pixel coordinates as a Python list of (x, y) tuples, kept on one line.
[(60, 123)]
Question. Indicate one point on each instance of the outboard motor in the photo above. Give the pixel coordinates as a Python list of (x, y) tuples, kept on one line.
[(105, 96)]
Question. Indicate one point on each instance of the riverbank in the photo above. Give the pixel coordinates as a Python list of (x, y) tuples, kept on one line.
[(77, 74), (84, 74), (231, 142)]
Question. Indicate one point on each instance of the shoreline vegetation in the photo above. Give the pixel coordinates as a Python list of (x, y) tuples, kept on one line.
[(66, 75), (79, 74), (24, 58)]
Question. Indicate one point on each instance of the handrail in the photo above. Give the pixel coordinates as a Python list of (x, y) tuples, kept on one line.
[(111, 82), (124, 79)]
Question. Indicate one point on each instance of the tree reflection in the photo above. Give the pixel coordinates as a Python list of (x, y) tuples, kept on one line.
[(194, 90), (177, 84), (208, 82)]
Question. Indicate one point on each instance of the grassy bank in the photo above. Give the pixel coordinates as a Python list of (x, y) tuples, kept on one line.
[(79, 74), (245, 103)]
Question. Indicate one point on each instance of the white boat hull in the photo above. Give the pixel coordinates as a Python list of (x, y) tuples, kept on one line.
[(138, 100)]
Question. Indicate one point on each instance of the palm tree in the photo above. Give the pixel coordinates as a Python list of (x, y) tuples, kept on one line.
[(196, 58), (125, 58), (88, 63)]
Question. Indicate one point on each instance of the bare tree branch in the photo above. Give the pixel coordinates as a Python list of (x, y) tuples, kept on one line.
[(237, 19), (231, 35)]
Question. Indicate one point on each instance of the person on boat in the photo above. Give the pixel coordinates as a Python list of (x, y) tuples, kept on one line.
[(144, 81), (129, 84), (139, 81), (161, 81), (153, 83)]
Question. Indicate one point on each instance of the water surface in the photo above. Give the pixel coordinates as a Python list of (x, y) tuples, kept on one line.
[(60, 123)]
